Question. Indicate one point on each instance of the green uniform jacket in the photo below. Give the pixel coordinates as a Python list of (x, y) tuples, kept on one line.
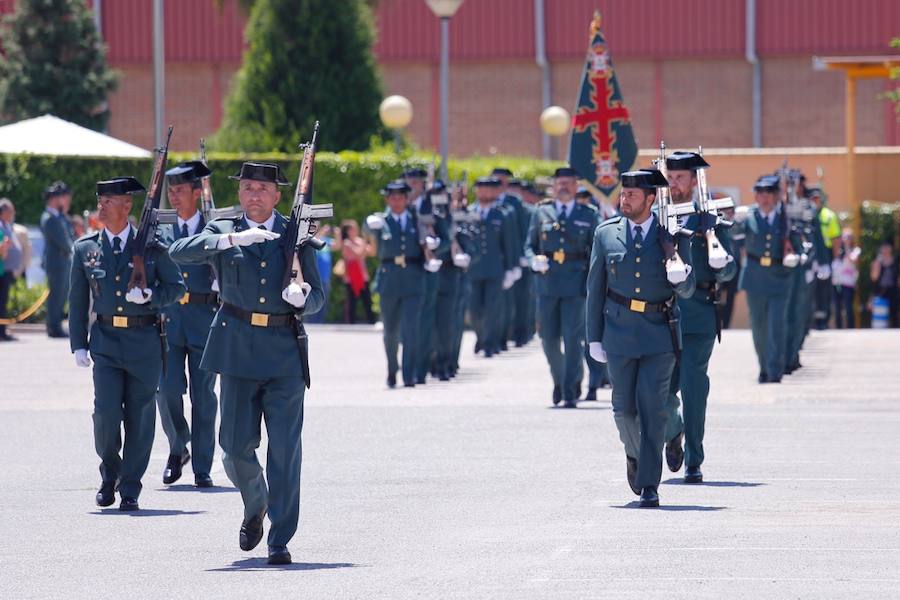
[(573, 235), (57, 243), (494, 240), (698, 313), (614, 266), (394, 280), (250, 277), (100, 276), (763, 241)]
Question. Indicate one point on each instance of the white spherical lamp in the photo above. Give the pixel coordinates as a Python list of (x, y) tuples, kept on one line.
[(396, 112), (555, 120)]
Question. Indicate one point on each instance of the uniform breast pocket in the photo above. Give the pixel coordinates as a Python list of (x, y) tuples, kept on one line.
[(232, 265), (614, 264)]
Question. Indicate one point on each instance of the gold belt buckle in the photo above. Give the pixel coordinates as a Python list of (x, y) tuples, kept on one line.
[(638, 306), (559, 256), (766, 261), (400, 261), (120, 321), (259, 319), (185, 299)]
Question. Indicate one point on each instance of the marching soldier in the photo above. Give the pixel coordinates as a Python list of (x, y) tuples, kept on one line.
[(253, 345), (494, 258), (188, 324), (559, 247), (126, 340), (700, 320), (766, 275), (57, 260), (516, 312), (400, 281), (632, 323)]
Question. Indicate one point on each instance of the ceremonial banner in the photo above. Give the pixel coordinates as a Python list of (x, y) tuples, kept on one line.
[(603, 144)]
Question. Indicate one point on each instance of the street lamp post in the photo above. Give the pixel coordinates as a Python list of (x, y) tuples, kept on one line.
[(159, 61), (444, 9), (396, 112)]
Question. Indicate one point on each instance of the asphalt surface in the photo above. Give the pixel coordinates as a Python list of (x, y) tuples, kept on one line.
[(477, 489)]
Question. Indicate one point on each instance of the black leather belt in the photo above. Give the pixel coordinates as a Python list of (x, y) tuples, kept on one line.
[(402, 261), (636, 305), (259, 319), (561, 256), (127, 322), (192, 298), (763, 261)]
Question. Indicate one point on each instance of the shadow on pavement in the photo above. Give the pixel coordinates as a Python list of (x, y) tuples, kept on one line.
[(147, 512), (674, 507), (739, 484), (186, 487), (259, 564)]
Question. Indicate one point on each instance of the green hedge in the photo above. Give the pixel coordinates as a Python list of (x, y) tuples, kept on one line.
[(351, 180), (879, 222)]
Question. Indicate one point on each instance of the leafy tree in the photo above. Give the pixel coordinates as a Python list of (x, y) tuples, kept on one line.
[(894, 95), (307, 60), (55, 63)]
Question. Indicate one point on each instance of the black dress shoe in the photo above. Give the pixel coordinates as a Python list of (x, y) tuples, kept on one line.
[(61, 333), (693, 475), (203, 480), (488, 354), (477, 347), (772, 380), (420, 381), (649, 498), (409, 384), (106, 495), (444, 376), (128, 504), (279, 555), (251, 532), (392, 380), (591, 395), (675, 453), (631, 469), (762, 377), (173, 467), (570, 403), (557, 395), (578, 391), (8, 338)]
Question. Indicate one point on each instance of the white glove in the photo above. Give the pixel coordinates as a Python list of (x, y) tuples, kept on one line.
[(741, 213), (508, 279), (215, 285), (433, 265), (246, 238), (462, 260), (718, 258), (824, 272), (597, 352), (804, 258), (432, 242), (374, 222), (82, 359), (136, 296), (540, 264), (517, 273), (791, 260), (677, 275), (809, 276), (524, 262), (295, 294)]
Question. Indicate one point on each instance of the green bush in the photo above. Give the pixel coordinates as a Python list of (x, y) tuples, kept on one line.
[(21, 298), (879, 222)]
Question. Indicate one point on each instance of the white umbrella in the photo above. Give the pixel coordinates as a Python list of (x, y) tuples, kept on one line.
[(54, 136)]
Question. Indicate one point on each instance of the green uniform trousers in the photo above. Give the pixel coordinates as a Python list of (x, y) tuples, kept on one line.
[(562, 320), (691, 379), (400, 316), (767, 323), (427, 319)]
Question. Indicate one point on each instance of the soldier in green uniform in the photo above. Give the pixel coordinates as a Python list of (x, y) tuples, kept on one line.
[(632, 322), (700, 322), (559, 248), (188, 323), (766, 275), (400, 280), (256, 345), (494, 258), (801, 295), (57, 259), (517, 317), (125, 340)]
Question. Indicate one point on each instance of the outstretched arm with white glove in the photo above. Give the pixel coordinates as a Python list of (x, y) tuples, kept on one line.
[(375, 222), (295, 294), (247, 237), (82, 359), (597, 352)]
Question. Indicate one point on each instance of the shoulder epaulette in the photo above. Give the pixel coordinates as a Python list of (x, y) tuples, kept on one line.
[(547, 201), (611, 221), (88, 236)]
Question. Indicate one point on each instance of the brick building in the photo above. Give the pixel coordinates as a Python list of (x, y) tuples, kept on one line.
[(683, 68)]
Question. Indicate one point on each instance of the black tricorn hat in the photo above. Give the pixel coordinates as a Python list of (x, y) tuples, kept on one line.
[(119, 186), (583, 192), (261, 172), (685, 161), (645, 179), (487, 182), (57, 188), (502, 171), (438, 186), (187, 172), (767, 183), (516, 183), (417, 172), (398, 185), (565, 172)]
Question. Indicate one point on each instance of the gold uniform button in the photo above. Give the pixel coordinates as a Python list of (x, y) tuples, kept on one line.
[(638, 259), (119, 308), (768, 236), (184, 274), (118, 292), (637, 290), (223, 323), (638, 275), (263, 264), (263, 281), (118, 277), (262, 300)]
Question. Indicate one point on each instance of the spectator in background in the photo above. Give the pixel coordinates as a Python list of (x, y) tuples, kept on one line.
[(78, 229), (884, 277), (323, 261), (58, 243), (15, 252), (844, 275), (354, 250)]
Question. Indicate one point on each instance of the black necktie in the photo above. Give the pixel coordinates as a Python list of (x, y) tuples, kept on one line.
[(117, 245), (263, 227), (184, 230), (638, 236)]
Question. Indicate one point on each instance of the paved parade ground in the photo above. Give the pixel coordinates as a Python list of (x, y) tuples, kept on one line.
[(476, 489)]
